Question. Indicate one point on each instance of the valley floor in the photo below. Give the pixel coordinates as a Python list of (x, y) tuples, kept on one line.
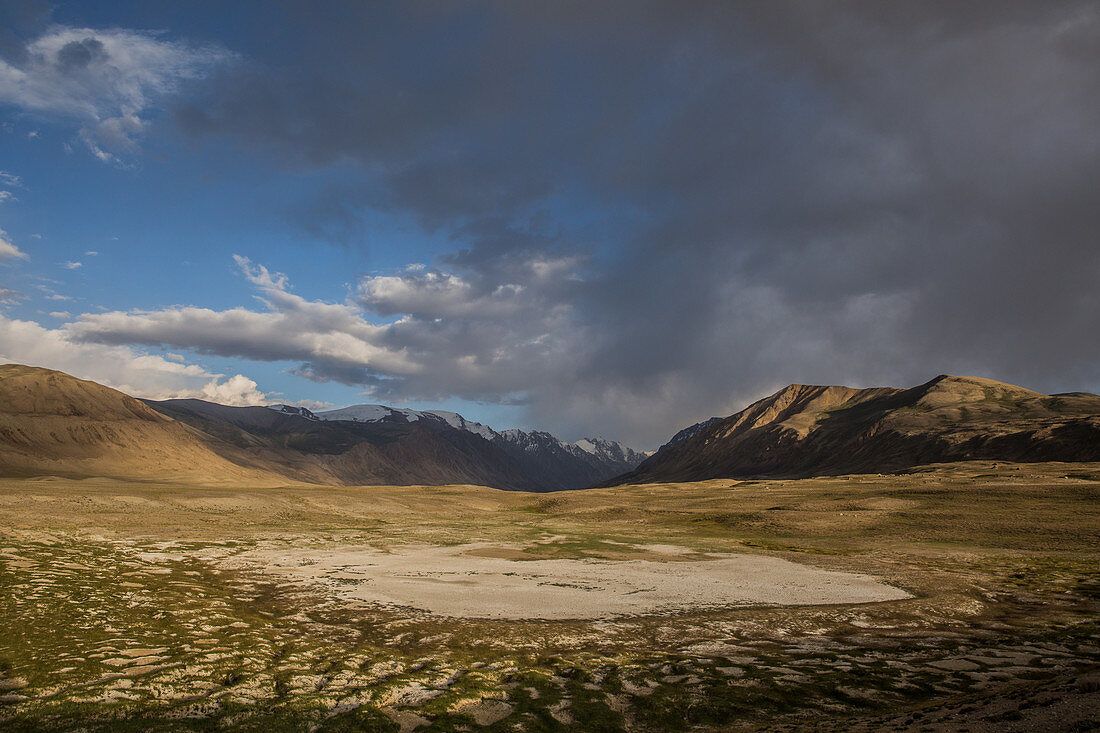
[(960, 597)]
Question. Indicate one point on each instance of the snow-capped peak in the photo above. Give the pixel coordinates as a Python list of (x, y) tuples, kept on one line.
[(586, 445), (593, 451), (607, 449), (294, 410), (368, 413), (377, 413), (457, 421)]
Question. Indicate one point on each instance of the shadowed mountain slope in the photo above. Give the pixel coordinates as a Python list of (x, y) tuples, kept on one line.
[(547, 461), (352, 453), (566, 465), (382, 445), (805, 430)]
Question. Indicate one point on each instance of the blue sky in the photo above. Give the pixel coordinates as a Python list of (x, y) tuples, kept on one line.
[(593, 218)]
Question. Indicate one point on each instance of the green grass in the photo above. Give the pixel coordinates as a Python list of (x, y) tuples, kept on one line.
[(270, 655)]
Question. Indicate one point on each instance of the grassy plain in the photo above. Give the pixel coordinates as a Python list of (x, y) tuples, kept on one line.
[(125, 607)]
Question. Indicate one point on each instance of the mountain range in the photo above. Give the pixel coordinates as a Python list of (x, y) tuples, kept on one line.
[(809, 430), (53, 424), (376, 444)]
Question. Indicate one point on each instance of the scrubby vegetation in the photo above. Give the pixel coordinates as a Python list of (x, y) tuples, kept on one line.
[(121, 611)]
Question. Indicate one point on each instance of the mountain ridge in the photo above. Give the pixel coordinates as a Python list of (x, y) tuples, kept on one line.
[(376, 412), (805, 430), (52, 423), (544, 457), (345, 452)]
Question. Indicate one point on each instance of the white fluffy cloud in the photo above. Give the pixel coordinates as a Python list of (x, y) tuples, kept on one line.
[(518, 332), (431, 294), (471, 337), (137, 374), (237, 390), (333, 336), (106, 80), (9, 251)]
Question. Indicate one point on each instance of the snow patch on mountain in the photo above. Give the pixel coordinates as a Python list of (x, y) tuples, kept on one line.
[(376, 413), (609, 450), (369, 413), (457, 421)]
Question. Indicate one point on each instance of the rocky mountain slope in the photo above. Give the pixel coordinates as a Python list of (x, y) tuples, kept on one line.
[(547, 461), (348, 452), (805, 430), (570, 465), (689, 431)]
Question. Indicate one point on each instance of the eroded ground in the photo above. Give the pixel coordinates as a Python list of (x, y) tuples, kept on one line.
[(172, 607)]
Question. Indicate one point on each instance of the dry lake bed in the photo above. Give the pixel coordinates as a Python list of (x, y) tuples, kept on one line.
[(927, 601), (479, 580)]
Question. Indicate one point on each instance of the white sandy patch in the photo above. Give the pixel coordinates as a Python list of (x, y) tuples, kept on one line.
[(450, 582)]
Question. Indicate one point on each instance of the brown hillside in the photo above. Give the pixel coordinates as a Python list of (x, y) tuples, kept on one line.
[(55, 424), (805, 430)]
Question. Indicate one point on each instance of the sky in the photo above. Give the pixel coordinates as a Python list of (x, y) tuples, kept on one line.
[(591, 218)]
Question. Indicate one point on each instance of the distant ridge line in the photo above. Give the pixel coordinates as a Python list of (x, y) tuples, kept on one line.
[(808, 430)]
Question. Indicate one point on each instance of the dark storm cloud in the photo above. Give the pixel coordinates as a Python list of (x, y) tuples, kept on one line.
[(78, 54), (754, 194), (325, 371)]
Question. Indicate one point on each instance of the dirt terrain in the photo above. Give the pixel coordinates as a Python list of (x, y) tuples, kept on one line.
[(139, 606)]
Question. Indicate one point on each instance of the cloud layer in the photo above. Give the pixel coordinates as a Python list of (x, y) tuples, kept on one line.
[(125, 369), (851, 192), (454, 337), (655, 212), (107, 81)]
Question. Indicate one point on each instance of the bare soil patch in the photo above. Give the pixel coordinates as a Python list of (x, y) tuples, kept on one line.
[(451, 581)]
